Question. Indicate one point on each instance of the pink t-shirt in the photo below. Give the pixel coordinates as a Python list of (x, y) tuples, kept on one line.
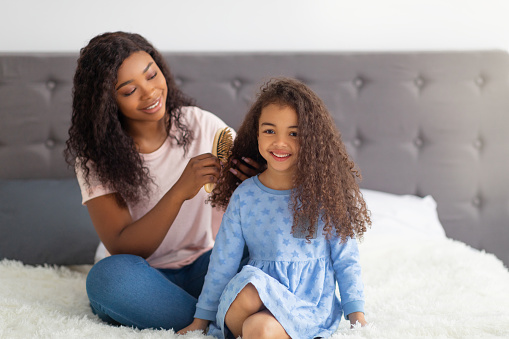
[(195, 227)]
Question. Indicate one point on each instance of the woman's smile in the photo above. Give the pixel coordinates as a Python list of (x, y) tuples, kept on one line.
[(141, 89), (154, 107)]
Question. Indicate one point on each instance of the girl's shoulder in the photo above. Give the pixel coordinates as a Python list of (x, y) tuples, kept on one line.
[(247, 187), (248, 184)]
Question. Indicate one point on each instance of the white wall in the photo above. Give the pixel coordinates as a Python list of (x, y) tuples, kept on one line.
[(259, 25)]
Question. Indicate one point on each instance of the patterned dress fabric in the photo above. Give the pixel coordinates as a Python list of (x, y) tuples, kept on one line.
[(295, 280)]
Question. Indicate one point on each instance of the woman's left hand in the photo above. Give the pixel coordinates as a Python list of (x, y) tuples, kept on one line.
[(245, 168)]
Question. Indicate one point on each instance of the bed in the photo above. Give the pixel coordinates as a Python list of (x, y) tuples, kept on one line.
[(429, 131)]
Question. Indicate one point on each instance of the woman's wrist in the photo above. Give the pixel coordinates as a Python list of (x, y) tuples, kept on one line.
[(175, 196)]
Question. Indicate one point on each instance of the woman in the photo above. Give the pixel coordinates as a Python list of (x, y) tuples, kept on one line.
[(140, 149)]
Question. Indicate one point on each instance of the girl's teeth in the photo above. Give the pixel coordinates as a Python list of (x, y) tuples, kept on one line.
[(281, 155)]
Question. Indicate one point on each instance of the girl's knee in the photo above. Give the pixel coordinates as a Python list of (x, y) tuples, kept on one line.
[(256, 327)]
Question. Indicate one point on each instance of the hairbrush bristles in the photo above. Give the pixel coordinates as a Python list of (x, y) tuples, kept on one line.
[(223, 142)]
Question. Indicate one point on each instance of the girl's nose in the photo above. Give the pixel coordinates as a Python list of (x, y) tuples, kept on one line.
[(280, 140)]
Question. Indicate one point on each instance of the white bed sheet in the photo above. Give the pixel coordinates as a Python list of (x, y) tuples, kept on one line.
[(419, 284)]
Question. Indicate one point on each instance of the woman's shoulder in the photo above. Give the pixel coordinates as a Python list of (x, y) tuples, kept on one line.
[(202, 122), (199, 115)]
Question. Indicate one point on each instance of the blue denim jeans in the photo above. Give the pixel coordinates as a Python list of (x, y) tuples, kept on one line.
[(125, 290)]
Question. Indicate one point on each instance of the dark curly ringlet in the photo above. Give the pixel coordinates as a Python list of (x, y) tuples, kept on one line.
[(326, 181), (97, 131)]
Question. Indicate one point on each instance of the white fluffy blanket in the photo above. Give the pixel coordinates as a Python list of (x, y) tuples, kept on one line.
[(437, 288)]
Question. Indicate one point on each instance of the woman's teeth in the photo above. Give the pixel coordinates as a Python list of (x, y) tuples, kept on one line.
[(154, 105)]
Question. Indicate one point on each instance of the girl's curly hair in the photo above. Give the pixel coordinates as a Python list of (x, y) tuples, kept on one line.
[(97, 135), (325, 185)]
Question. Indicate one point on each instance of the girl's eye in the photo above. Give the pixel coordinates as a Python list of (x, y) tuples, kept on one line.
[(152, 76), (269, 131), (293, 134)]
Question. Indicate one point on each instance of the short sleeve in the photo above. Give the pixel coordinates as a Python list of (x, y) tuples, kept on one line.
[(95, 188)]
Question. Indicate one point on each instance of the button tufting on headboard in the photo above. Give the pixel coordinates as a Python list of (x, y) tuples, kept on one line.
[(447, 141), (419, 82), (50, 143), (480, 81), (236, 83), (478, 144), (418, 142), (358, 82), (477, 201), (178, 81), (51, 84), (357, 142)]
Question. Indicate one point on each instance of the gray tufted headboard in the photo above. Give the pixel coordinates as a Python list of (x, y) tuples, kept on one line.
[(416, 123)]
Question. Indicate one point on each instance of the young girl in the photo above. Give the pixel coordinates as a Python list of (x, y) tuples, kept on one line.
[(298, 218), (142, 154)]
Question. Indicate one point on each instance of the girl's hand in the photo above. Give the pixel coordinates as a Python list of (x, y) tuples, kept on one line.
[(357, 317), (200, 170), (245, 168), (197, 324)]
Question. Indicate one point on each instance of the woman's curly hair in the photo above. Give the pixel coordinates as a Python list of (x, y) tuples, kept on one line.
[(326, 181), (97, 136)]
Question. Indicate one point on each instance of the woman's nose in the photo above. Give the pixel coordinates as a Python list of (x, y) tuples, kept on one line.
[(148, 92)]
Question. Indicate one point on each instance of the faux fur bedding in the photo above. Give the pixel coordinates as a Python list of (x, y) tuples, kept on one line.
[(415, 288)]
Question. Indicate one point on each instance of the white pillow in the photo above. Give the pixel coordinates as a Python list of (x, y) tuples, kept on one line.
[(406, 215)]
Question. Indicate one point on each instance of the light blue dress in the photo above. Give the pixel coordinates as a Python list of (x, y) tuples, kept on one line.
[(296, 280)]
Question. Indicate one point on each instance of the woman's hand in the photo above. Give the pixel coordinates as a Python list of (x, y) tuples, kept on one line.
[(245, 168), (357, 317), (200, 170), (197, 324)]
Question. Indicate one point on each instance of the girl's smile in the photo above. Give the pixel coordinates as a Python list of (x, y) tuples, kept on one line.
[(280, 156)]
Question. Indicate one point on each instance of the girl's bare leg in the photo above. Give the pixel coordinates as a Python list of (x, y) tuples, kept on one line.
[(246, 303), (248, 317), (263, 325)]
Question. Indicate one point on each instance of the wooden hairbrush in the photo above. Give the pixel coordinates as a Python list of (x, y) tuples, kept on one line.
[(223, 142)]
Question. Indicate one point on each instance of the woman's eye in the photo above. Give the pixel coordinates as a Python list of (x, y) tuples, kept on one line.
[(129, 93), (293, 134), (269, 131), (152, 76)]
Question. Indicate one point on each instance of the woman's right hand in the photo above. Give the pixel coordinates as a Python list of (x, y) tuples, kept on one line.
[(200, 170)]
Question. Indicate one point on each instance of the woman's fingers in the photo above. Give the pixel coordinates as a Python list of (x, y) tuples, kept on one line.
[(252, 163), (245, 168), (238, 174), (200, 170), (206, 168)]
